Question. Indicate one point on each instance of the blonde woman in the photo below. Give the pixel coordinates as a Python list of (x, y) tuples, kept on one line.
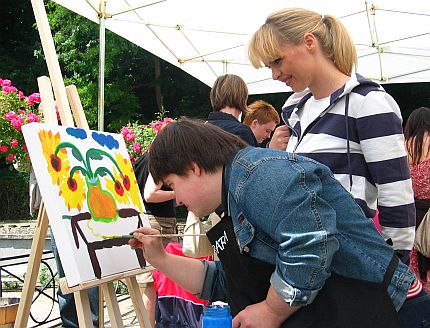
[(339, 118)]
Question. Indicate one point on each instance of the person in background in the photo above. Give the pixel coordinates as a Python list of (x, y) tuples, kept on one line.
[(66, 302), (295, 252), (229, 95), (160, 212), (417, 135), (262, 118), (339, 118)]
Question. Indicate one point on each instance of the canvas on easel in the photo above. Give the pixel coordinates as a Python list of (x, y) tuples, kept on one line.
[(91, 197), (67, 100)]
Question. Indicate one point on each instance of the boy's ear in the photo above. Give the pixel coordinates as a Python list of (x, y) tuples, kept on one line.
[(254, 123), (196, 169)]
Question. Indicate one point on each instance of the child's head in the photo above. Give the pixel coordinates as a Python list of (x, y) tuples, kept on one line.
[(186, 141), (229, 90), (262, 118)]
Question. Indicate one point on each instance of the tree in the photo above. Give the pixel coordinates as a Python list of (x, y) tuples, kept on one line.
[(19, 39), (137, 83)]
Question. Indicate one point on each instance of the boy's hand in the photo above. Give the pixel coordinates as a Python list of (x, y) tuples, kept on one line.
[(257, 315), (152, 246)]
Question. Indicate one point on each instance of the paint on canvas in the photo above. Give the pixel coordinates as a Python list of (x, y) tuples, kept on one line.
[(91, 197)]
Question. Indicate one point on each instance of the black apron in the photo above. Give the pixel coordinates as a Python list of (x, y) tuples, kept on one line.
[(341, 303)]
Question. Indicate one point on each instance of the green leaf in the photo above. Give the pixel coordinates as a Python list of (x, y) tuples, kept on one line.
[(76, 154)]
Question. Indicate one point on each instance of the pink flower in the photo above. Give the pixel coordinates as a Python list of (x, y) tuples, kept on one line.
[(16, 123), (6, 90), (10, 157), (125, 130), (130, 137), (32, 117), (6, 83), (136, 147), (24, 147), (33, 98), (9, 116), (3, 149), (21, 95), (14, 143)]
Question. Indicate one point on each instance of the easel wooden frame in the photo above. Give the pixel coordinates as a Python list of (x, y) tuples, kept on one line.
[(63, 97)]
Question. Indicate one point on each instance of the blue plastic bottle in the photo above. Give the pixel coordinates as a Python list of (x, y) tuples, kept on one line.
[(216, 316)]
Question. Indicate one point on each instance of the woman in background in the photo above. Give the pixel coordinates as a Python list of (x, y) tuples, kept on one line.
[(417, 135), (338, 117)]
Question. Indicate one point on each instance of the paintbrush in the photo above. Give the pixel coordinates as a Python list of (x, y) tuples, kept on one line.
[(166, 235)]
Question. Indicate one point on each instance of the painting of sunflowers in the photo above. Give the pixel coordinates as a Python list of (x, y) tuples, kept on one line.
[(91, 197)]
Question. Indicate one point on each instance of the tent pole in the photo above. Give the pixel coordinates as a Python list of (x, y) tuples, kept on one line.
[(101, 88)]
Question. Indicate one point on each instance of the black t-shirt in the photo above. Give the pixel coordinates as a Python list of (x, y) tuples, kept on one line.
[(164, 209)]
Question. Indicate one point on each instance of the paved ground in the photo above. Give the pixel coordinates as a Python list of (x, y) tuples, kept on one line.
[(43, 308)]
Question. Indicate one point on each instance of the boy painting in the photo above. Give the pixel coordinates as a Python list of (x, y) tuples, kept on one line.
[(295, 249)]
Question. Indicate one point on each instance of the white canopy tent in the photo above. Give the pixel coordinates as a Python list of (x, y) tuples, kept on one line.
[(208, 38)]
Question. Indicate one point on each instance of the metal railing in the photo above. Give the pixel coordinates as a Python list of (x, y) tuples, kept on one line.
[(46, 290)]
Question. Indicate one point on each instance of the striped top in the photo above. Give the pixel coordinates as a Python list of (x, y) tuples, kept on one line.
[(359, 135)]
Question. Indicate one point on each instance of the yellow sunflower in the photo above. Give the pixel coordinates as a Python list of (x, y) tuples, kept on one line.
[(73, 190), (129, 180), (58, 166)]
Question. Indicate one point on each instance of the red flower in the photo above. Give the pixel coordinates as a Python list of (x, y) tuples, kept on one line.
[(126, 182), (118, 188)]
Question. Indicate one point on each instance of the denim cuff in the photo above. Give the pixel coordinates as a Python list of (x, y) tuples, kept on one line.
[(291, 295)]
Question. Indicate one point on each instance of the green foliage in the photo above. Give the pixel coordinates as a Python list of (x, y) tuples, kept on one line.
[(19, 39), (45, 277), (76, 40), (14, 202), (120, 287), (10, 285)]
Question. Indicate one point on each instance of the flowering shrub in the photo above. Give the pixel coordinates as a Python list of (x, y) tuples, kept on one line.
[(16, 110), (138, 137)]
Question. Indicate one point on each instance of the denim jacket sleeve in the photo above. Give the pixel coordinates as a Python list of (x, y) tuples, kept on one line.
[(290, 210), (214, 284)]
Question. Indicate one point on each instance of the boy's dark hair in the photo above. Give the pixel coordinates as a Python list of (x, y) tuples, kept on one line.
[(186, 141)]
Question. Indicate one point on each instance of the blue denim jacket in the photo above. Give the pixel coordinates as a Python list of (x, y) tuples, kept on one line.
[(296, 215)]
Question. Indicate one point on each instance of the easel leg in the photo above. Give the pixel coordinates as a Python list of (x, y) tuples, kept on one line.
[(112, 305), (33, 268), (101, 309), (83, 308), (136, 297)]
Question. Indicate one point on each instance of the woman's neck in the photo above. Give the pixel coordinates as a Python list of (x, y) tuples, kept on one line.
[(327, 80), (232, 111)]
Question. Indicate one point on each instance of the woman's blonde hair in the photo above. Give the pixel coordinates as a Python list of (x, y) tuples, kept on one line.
[(290, 25)]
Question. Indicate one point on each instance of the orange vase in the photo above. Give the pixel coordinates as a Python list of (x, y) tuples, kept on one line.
[(101, 203)]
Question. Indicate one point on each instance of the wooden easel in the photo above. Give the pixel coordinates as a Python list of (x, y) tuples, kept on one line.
[(67, 100)]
